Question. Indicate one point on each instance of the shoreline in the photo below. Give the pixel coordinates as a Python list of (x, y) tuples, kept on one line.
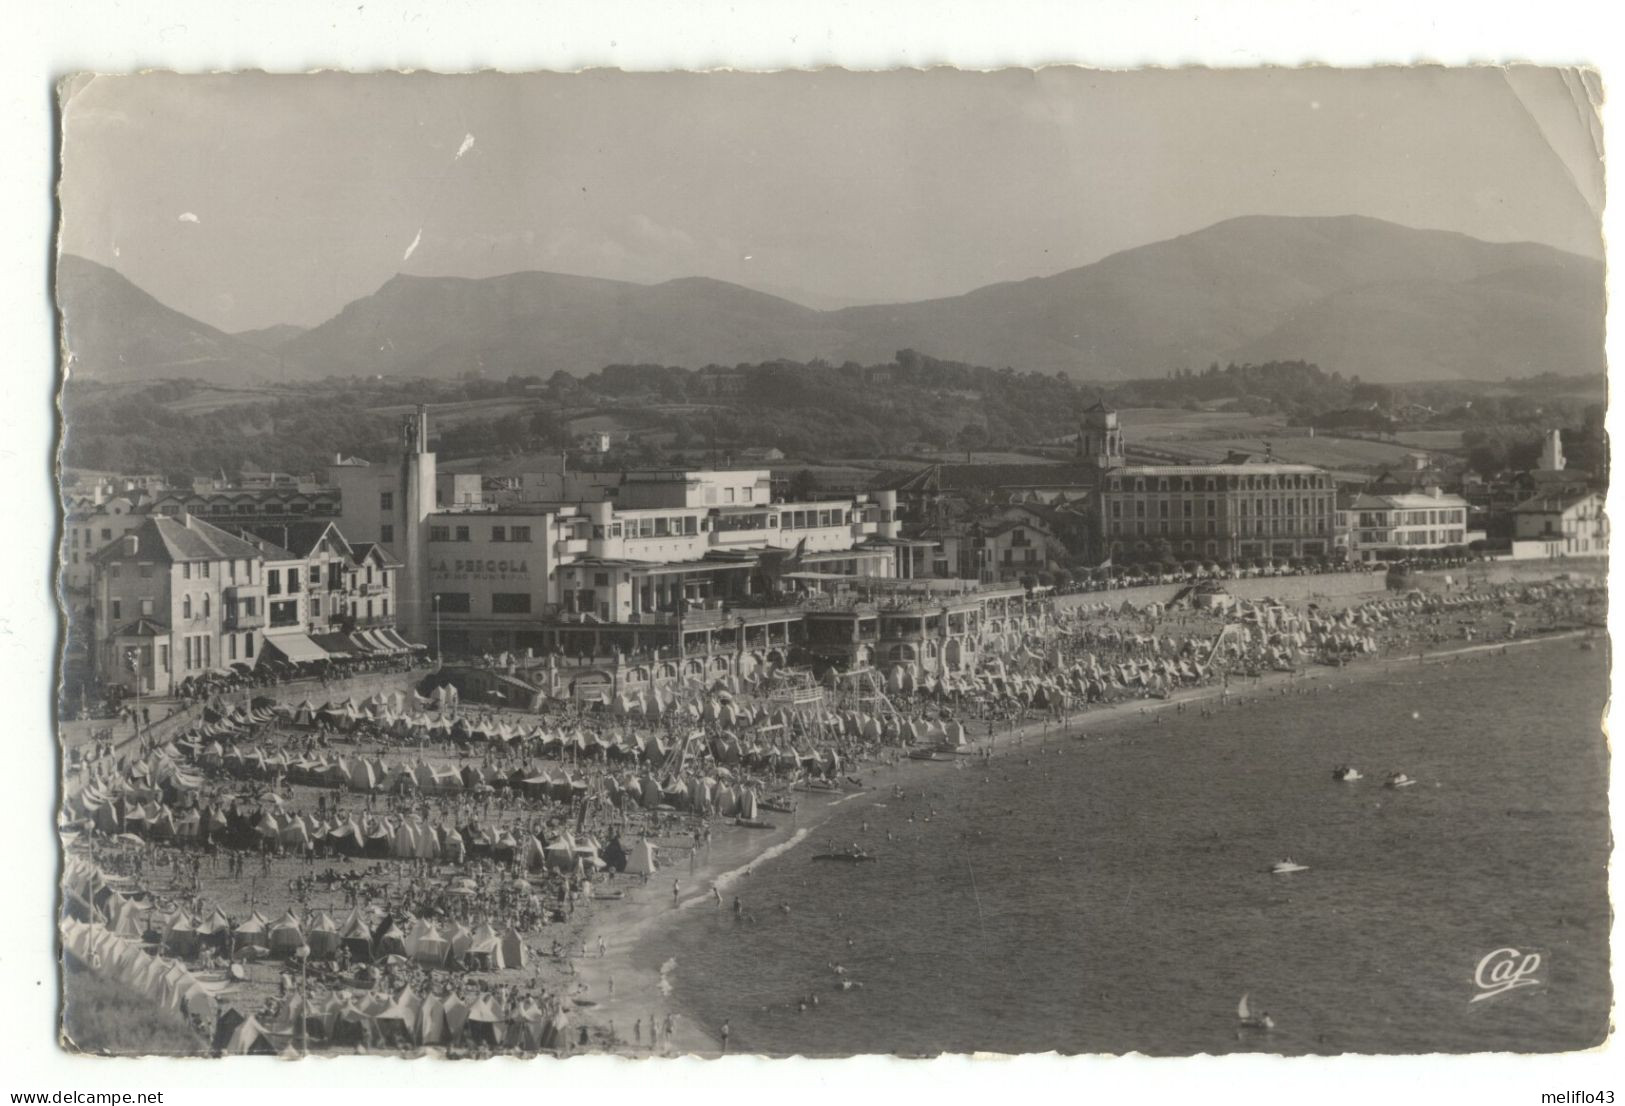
[(634, 962)]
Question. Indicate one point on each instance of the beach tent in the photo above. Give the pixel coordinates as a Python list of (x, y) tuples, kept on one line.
[(251, 1039), (427, 946), (356, 938), (641, 860), (286, 935), (513, 949), (432, 1028), (253, 933)]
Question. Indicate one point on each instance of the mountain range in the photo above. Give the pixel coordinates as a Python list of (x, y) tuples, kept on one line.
[(1352, 294)]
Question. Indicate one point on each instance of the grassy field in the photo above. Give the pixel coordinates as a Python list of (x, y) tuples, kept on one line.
[(1429, 439), (103, 1017), (1153, 424), (449, 414), (207, 399)]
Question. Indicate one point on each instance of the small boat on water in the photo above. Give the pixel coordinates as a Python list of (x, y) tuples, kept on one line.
[(926, 754), (1398, 779), (847, 857), (1287, 867), (1250, 1020), (782, 806), (1346, 774), (754, 823)]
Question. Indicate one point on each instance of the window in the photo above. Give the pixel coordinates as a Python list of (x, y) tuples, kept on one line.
[(383, 606), (727, 495), (144, 571), (293, 580), (205, 606), (439, 533), (285, 613), (186, 607), (273, 581), (499, 533), (462, 533), (204, 568), (163, 658), (386, 501), (107, 534), (519, 533), (248, 645), (510, 602), (190, 651), (315, 606), (117, 608), (452, 602), (231, 647), (600, 579), (186, 571)]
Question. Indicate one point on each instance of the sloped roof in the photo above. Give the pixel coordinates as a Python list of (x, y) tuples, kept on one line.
[(1551, 504), (300, 538), (170, 540), (361, 550)]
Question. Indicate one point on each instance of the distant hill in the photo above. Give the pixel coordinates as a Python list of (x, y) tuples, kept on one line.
[(270, 337), (538, 323), (1351, 294), (116, 332)]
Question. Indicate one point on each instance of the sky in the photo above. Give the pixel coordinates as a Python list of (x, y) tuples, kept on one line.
[(250, 200)]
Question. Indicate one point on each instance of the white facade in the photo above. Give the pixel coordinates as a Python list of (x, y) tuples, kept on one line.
[(1562, 526), (1379, 525)]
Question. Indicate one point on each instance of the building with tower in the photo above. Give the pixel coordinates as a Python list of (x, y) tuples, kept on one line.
[(1100, 439), (389, 505)]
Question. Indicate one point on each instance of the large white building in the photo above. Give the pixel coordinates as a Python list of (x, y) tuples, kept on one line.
[(577, 550), (1380, 527)]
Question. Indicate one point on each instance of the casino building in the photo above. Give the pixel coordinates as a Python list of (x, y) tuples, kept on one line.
[(667, 562)]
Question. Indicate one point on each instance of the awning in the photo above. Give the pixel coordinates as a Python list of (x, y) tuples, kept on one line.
[(336, 645), (380, 642), (361, 643), (399, 640), (297, 647)]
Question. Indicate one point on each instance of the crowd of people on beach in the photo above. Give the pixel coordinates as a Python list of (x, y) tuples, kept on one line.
[(417, 822)]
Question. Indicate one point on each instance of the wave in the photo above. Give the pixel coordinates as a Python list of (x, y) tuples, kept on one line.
[(727, 878), (666, 971)]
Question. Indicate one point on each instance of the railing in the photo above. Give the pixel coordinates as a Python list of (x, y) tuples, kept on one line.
[(233, 619)]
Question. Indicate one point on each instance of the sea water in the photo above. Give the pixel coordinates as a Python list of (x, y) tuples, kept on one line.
[(1117, 897)]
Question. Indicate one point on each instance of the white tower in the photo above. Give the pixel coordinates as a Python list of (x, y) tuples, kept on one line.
[(1551, 452), (1100, 439), (414, 502)]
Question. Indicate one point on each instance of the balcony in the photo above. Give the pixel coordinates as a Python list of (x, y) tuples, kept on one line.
[(567, 547), (232, 602)]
